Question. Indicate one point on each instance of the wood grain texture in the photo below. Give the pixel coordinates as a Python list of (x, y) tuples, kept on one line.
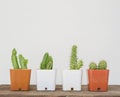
[(114, 91)]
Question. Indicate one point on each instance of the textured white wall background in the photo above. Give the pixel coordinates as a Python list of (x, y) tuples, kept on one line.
[(34, 27)]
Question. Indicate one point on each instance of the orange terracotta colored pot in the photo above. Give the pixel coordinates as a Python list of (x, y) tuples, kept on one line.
[(98, 80), (20, 79)]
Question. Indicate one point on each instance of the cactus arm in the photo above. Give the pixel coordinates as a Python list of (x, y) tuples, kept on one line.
[(15, 62), (79, 64), (23, 62), (51, 59), (14, 59), (43, 63), (50, 63)]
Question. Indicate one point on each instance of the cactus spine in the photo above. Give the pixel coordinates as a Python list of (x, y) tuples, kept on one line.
[(22, 61), (74, 64), (47, 62)]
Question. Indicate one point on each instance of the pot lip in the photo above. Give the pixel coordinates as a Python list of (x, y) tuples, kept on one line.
[(72, 69), (98, 70), (20, 69), (45, 69)]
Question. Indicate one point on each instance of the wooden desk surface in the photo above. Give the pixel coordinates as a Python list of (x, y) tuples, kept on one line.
[(114, 91)]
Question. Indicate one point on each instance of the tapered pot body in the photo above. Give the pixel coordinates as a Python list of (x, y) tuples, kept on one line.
[(98, 80), (20, 79)]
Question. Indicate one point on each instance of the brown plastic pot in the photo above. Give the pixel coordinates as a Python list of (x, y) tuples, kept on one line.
[(98, 80), (20, 79)]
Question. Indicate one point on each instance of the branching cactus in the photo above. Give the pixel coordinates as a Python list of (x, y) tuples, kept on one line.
[(47, 62), (74, 63), (102, 65), (93, 65), (22, 61)]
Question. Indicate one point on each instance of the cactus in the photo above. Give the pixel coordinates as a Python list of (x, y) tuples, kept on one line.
[(79, 64), (22, 61), (74, 63), (14, 59), (93, 66), (44, 61), (47, 62), (50, 63), (102, 65)]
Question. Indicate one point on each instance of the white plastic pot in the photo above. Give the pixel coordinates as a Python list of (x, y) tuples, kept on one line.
[(72, 80), (46, 80)]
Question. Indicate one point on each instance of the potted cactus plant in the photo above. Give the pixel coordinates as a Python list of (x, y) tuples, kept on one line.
[(98, 76), (19, 75), (72, 78), (46, 75)]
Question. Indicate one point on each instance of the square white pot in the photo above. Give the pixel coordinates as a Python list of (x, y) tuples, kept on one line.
[(72, 80), (46, 80)]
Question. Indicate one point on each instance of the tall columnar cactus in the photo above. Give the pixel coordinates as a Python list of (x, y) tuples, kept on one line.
[(102, 65), (47, 62), (22, 61), (73, 58), (93, 65), (74, 63), (14, 59)]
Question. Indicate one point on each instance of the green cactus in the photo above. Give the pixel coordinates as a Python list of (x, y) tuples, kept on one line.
[(47, 62), (93, 66), (23, 62), (45, 59), (50, 63), (102, 65), (74, 63), (79, 64), (14, 59), (73, 58)]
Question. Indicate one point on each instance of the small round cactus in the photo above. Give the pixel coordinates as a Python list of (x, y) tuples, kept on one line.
[(93, 66), (102, 65)]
